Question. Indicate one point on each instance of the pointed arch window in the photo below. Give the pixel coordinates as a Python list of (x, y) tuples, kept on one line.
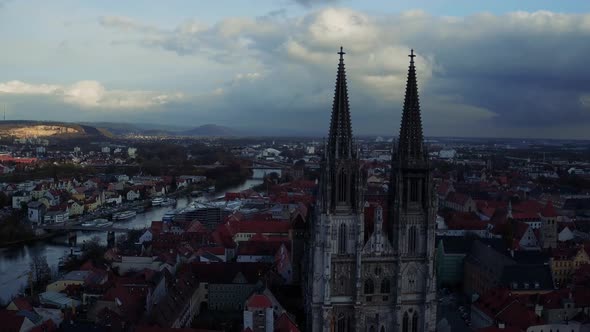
[(412, 240), (369, 286), (342, 239), (342, 186), (406, 323), (382, 329), (385, 286), (415, 322), (413, 190), (341, 324)]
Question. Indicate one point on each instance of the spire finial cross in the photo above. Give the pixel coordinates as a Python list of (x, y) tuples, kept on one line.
[(412, 56), (341, 53)]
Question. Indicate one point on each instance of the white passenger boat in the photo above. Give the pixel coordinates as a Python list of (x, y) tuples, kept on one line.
[(88, 223), (104, 223), (124, 215), (169, 202), (157, 201)]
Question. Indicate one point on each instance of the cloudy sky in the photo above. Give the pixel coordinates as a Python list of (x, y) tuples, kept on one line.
[(499, 68)]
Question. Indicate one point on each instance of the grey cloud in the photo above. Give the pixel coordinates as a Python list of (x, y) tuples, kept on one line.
[(128, 24), (309, 3), (508, 75)]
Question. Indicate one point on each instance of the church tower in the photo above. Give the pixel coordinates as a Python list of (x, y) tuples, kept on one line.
[(413, 206), (337, 227), (387, 282)]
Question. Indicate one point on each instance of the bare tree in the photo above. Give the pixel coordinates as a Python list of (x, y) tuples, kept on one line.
[(40, 272)]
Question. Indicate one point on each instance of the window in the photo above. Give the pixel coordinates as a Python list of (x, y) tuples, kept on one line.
[(415, 322), (406, 323), (342, 187), (385, 287), (377, 270), (341, 325), (412, 239), (369, 287), (342, 239), (413, 190)]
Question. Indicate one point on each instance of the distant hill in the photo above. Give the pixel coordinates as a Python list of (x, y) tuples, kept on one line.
[(210, 130), (122, 128), (25, 128), (151, 129)]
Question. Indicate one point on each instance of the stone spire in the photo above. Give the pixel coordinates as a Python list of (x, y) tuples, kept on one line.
[(340, 142), (411, 142)]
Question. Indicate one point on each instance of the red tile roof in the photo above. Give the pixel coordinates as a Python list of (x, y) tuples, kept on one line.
[(22, 304), (549, 211), (213, 250), (46, 326), (528, 206), (10, 320), (157, 227), (466, 221), (223, 273), (457, 198), (525, 216), (259, 227), (504, 306), (443, 188), (195, 227), (258, 248), (258, 301), (285, 324)]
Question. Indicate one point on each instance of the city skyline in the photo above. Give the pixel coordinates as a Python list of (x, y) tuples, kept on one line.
[(508, 70)]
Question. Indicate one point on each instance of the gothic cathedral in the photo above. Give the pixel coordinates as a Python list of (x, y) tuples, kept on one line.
[(383, 281)]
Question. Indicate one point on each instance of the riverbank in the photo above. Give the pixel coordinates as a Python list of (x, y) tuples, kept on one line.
[(34, 239), (103, 213), (15, 260)]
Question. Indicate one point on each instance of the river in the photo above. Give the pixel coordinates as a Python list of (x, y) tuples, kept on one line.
[(14, 261)]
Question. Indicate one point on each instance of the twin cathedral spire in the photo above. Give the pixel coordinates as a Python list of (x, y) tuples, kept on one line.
[(341, 182), (349, 254)]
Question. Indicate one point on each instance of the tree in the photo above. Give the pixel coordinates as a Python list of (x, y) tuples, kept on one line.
[(93, 249), (40, 272), (4, 200), (173, 185), (273, 177)]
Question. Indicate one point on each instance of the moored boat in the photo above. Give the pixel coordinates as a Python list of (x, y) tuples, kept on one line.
[(169, 216), (104, 223), (169, 202), (124, 215)]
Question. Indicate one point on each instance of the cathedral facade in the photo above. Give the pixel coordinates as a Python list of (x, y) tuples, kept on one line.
[(383, 281)]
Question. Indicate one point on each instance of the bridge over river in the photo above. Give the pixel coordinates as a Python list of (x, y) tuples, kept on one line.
[(78, 227)]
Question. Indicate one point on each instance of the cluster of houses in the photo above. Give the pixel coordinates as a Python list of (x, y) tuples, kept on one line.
[(28, 153), (519, 254), (517, 249), (245, 271), (51, 201)]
